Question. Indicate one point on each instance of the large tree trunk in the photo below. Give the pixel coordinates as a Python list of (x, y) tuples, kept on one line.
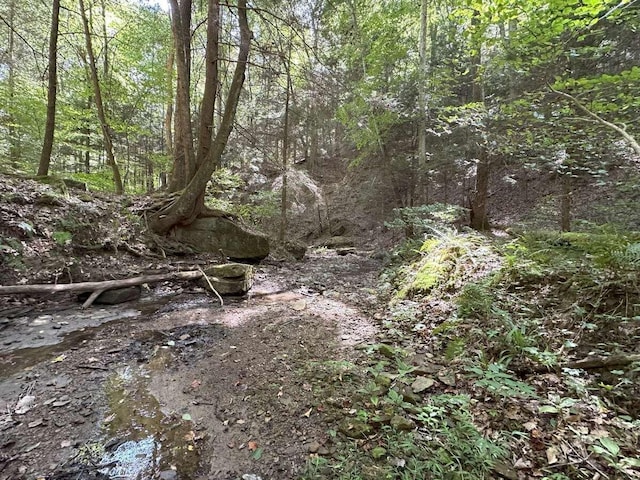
[(422, 99), (480, 195), (285, 148), (205, 134), (102, 117), (47, 146), (187, 206), (184, 164)]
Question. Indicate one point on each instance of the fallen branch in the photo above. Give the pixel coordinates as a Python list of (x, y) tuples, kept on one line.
[(98, 287), (596, 361), (592, 362)]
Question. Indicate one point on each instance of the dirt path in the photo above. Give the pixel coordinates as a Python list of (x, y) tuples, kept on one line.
[(177, 387)]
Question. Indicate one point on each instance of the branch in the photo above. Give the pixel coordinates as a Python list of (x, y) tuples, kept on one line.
[(633, 143), (99, 286)]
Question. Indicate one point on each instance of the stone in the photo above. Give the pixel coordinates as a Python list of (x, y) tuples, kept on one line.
[(338, 242), (229, 278), (114, 296), (354, 428), (401, 423), (421, 384), (168, 475), (222, 235), (296, 248), (70, 183)]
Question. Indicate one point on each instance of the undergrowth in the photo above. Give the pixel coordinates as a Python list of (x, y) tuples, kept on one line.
[(476, 364)]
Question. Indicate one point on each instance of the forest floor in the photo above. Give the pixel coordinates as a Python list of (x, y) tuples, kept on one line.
[(204, 390), (457, 356)]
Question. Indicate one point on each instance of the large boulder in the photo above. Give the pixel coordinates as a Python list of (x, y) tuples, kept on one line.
[(229, 279), (221, 235)]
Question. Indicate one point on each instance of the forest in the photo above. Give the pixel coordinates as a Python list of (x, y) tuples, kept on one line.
[(321, 239)]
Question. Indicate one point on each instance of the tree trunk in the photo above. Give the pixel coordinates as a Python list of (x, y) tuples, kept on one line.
[(205, 135), (186, 208), (168, 117), (47, 146), (102, 117), (14, 147), (565, 202), (479, 197), (184, 164), (285, 148), (422, 98)]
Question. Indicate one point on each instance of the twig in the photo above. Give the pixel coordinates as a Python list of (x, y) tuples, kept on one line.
[(211, 286)]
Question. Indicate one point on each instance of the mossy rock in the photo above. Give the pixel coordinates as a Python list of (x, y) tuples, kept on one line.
[(353, 428), (229, 278)]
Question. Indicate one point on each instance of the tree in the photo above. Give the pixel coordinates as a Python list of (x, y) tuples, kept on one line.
[(97, 93), (190, 203), (45, 157)]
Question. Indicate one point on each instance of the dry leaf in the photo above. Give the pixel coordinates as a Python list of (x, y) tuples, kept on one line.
[(552, 455), (308, 413)]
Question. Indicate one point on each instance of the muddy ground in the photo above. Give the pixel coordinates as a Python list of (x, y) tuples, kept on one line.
[(175, 386)]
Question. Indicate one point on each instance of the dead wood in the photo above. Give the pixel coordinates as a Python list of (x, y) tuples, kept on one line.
[(592, 362), (597, 361), (98, 287)]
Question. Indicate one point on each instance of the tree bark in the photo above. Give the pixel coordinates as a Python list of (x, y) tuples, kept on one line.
[(186, 208), (47, 146), (184, 154), (480, 195), (422, 100), (99, 287), (565, 203), (102, 117), (285, 147), (205, 135)]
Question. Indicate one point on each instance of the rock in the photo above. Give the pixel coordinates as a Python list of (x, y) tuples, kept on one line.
[(387, 350), (421, 384), (69, 182), (447, 377), (505, 471), (114, 296), (354, 428), (168, 475), (218, 234), (314, 447), (229, 279), (296, 248), (410, 397), (401, 423), (338, 242)]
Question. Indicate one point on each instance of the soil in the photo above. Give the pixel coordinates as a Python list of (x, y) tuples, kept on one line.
[(176, 386)]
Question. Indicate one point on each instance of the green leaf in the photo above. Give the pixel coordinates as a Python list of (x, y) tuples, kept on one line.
[(257, 455), (610, 445), (547, 409)]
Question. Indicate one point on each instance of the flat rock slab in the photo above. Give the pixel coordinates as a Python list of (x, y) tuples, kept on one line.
[(229, 278), (217, 234)]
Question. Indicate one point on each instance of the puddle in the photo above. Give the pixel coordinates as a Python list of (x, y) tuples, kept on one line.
[(147, 442), (41, 330)]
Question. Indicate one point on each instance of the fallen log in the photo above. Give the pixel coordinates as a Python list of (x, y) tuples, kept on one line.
[(597, 361), (592, 362), (98, 287)]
